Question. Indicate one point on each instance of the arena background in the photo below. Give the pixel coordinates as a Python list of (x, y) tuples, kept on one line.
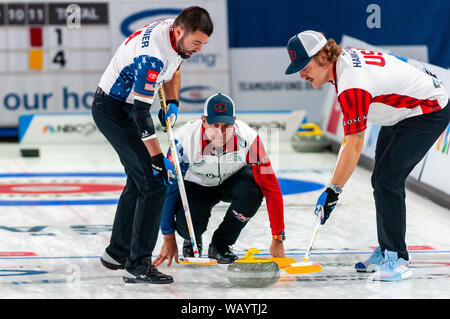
[(50, 63)]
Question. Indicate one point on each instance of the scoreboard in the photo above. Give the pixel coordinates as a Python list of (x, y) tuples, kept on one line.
[(55, 36), (53, 52)]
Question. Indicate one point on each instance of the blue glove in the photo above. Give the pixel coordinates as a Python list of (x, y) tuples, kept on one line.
[(171, 115), (163, 169), (327, 202)]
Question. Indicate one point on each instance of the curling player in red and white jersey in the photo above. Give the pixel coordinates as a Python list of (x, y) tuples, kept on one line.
[(222, 159), (409, 104)]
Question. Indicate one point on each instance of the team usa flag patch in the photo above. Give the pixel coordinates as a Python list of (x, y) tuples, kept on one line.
[(149, 87)]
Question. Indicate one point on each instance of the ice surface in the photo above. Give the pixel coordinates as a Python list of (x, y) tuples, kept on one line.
[(64, 242)]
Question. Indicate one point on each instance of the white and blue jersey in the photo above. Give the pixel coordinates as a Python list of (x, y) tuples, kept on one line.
[(142, 63)]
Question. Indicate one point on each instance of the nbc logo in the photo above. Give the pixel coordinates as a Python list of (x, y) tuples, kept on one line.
[(443, 142), (48, 129)]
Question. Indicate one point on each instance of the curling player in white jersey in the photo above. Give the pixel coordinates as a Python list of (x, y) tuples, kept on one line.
[(222, 159), (149, 58), (412, 108)]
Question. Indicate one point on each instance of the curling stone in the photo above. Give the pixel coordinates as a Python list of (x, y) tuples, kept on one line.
[(309, 138), (253, 272)]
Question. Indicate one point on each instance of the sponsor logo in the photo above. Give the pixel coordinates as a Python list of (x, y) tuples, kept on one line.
[(241, 217), (48, 129), (152, 75), (44, 189), (271, 86), (83, 129), (437, 83), (242, 142), (208, 59), (220, 107), (200, 163), (292, 55), (355, 120), (196, 94)]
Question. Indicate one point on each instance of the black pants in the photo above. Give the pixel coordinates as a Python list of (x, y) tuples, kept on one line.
[(399, 148), (240, 190), (138, 214)]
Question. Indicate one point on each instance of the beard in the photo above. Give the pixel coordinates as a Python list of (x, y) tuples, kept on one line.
[(181, 48)]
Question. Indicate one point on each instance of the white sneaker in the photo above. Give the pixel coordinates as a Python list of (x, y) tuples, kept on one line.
[(393, 268), (372, 264)]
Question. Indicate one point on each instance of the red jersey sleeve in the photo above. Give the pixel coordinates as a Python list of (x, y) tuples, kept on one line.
[(355, 106), (267, 181)]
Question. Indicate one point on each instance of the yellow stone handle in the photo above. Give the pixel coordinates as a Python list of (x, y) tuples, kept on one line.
[(311, 129), (250, 252)]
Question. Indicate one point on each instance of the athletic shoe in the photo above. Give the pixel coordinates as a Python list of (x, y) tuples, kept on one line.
[(188, 251), (221, 253), (372, 264), (393, 268), (111, 261), (146, 273)]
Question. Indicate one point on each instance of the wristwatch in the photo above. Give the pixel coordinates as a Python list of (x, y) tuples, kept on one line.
[(281, 236), (336, 188)]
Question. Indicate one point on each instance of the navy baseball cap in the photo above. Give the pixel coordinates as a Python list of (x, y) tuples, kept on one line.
[(302, 47), (219, 108)]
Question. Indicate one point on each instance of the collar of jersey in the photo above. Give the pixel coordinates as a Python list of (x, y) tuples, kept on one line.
[(172, 39), (334, 81)]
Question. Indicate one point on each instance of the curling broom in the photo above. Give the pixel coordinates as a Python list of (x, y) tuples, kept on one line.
[(196, 260), (305, 266)]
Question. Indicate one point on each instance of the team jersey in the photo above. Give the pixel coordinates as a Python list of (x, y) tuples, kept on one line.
[(145, 60), (380, 88), (201, 164)]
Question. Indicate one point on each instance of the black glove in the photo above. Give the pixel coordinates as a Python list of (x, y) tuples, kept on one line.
[(163, 169), (327, 201)]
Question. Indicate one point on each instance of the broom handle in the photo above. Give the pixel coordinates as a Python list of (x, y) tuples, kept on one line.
[(313, 237), (176, 163), (321, 212)]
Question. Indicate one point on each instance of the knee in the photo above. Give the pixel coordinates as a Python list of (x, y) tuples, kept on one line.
[(153, 188), (386, 180), (245, 205), (373, 179), (250, 193)]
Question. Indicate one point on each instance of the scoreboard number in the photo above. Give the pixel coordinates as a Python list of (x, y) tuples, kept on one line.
[(59, 58)]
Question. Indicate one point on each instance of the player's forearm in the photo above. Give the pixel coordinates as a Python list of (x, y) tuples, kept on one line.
[(348, 159), (172, 88), (169, 211), (270, 188)]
